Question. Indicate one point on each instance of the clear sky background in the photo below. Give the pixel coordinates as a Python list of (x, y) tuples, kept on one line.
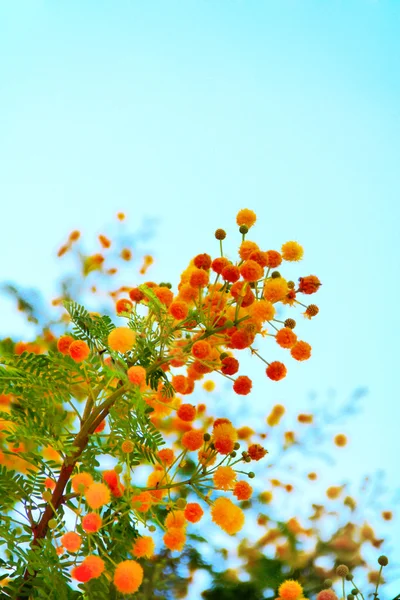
[(189, 110)]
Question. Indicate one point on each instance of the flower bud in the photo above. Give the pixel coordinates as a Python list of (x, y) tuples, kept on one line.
[(342, 570)]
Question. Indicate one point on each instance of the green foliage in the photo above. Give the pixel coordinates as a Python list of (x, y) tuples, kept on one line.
[(93, 329)]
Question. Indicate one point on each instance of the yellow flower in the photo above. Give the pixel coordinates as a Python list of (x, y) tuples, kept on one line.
[(292, 251), (275, 289), (246, 217), (224, 478), (227, 515), (290, 590)]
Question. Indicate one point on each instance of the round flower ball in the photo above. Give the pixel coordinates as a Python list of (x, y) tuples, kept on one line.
[(128, 576), (121, 339)]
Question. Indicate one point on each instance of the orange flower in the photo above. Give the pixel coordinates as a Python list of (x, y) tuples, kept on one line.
[(137, 375), (153, 481), (95, 564), (50, 484), (275, 415), (187, 412), (246, 248), (143, 546), (199, 278), (309, 284), (340, 440), (241, 339), (301, 351), (275, 289), (241, 291), (91, 522), (263, 310), (224, 438), (201, 349), (202, 261), (227, 515), (71, 541), (123, 306), (164, 295), (256, 452), (276, 371), (126, 254), (82, 573), (166, 456), (175, 538), (242, 385), (175, 518), (180, 383), (231, 273), (179, 310), (286, 338), (64, 343), (245, 432), (292, 251), (81, 481), (97, 494), (246, 217), (79, 350), (104, 241), (192, 440), (290, 590), (121, 339), (328, 594), (242, 490), (260, 258), (142, 502), (113, 482), (303, 418), (128, 576), (193, 512), (224, 478), (251, 270), (273, 258), (333, 492), (136, 295), (74, 235), (219, 264), (229, 365)]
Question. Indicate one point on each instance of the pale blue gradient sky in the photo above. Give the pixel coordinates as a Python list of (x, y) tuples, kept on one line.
[(190, 110)]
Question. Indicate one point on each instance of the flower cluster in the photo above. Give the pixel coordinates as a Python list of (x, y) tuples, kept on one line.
[(135, 380)]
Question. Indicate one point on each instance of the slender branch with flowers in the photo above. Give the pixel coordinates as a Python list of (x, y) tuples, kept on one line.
[(100, 444)]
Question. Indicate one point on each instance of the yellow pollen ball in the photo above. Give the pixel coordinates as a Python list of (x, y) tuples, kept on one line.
[(290, 590), (275, 289), (97, 494), (292, 251), (227, 515), (121, 339)]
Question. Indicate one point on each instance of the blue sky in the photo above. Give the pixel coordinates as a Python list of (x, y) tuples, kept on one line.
[(187, 111)]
